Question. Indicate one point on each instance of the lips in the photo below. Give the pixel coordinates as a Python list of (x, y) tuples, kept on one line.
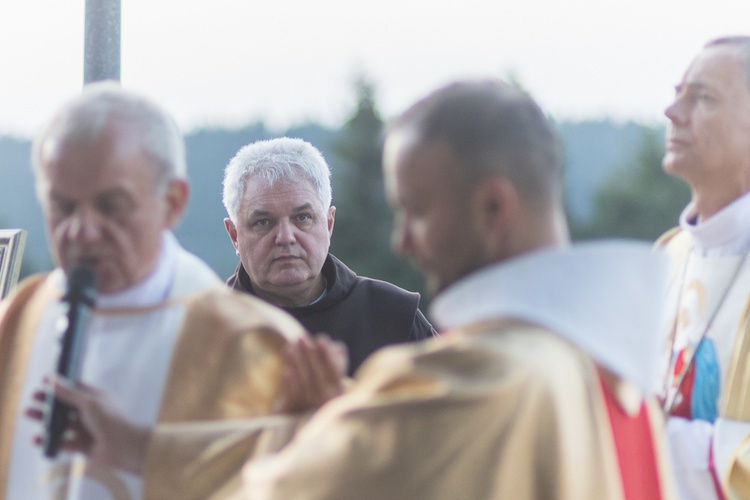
[(286, 258), (676, 143)]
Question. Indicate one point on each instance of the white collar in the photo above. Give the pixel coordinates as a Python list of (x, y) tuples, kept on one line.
[(604, 297), (725, 233)]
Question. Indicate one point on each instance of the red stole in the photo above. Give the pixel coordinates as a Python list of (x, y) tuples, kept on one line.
[(636, 455)]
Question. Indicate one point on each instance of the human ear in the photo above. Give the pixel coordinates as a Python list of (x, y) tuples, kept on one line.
[(232, 232), (176, 197), (496, 202), (331, 219)]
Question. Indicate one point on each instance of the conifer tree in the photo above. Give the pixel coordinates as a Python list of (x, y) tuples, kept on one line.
[(363, 219), (640, 200)]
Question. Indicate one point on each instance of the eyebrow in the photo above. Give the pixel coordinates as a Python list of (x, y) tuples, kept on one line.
[(300, 208), (116, 192), (691, 86)]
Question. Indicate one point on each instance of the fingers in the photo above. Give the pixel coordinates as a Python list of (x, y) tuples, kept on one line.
[(37, 407), (34, 414), (313, 373), (339, 355), (66, 392), (76, 437)]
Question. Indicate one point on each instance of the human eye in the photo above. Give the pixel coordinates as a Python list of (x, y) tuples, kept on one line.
[(114, 206), (698, 94), (260, 223), (304, 217), (60, 207)]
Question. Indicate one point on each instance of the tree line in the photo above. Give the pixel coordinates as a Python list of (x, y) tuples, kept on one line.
[(636, 199)]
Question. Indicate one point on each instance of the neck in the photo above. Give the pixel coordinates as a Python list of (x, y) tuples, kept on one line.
[(546, 228), (297, 296), (711, 199)]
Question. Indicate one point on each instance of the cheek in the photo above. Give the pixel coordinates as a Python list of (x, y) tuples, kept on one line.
[(253, 250), (428, 238)]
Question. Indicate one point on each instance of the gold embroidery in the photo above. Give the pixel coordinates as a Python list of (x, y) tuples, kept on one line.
[(64, 472)]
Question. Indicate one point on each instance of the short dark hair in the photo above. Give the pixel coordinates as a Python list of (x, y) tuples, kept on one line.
[(493, 128)]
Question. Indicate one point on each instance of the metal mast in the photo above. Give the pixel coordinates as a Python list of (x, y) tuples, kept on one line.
[(101, 51)]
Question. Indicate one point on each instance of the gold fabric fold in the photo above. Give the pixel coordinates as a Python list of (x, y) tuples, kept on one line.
[(19, 316), (204, 460), (226, 365), (506, 411)]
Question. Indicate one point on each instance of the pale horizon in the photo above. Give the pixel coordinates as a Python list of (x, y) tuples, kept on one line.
[(288, 62)]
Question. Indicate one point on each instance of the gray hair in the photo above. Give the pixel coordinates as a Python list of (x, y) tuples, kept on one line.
[(741, 42), (494, 128), (275, 160), (103, 105)]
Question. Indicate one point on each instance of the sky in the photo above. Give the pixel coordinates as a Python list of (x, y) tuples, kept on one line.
[(286, 62)]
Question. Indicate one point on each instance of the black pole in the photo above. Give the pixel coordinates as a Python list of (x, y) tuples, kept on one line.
[(101, 51)]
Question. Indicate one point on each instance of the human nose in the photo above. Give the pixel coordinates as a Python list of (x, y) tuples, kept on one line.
[(84, 226), (400, 237), (676, 111), (285, 232)]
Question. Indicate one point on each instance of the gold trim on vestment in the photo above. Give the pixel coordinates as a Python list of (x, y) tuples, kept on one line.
[(18, 326), (736, 395), (63, 472)]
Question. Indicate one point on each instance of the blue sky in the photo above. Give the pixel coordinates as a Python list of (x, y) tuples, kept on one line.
[(228, 62)]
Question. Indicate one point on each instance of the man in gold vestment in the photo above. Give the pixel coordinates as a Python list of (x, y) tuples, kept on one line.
[(536, 388), (707, 372), (167, 341)]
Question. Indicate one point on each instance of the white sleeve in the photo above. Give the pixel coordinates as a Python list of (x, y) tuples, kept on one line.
[(690, 445), (729, 434)]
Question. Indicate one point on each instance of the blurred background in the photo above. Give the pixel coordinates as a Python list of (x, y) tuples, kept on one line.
[(333, 72)]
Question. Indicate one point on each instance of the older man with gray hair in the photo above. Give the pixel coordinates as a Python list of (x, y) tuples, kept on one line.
[(707, 338), (166, 340), (278, 197)]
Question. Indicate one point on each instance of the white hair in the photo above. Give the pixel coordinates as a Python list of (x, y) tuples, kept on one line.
[(275, 160), (105, 104)]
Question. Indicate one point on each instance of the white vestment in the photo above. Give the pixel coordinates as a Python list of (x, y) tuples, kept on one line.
[(707, 298), (130, 340)]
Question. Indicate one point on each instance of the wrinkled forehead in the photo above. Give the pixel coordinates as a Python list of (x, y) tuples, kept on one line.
[(111, 140), (91, 164)]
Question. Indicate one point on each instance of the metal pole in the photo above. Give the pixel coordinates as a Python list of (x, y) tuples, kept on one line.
[(101, 51)]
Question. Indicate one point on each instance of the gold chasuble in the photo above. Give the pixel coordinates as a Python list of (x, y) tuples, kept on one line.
[(203, 353), (509, 403)]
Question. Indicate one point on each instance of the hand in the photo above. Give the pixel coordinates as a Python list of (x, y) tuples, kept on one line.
[(97, 428), (314, 372)]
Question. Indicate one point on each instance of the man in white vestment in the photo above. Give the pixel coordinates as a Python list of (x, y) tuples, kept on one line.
[(706, 379), (167, 341)]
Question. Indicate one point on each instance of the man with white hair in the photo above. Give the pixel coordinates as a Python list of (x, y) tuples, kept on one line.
[(278, 197), (707, 339), (166, 341)]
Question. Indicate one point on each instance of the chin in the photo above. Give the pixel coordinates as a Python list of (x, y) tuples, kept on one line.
[(672, 166), (290, 280)]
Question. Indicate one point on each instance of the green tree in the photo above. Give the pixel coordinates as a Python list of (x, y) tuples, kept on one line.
[(640, 200), (363, 219)]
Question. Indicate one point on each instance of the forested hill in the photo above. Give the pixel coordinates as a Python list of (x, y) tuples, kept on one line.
[(596, 152)]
